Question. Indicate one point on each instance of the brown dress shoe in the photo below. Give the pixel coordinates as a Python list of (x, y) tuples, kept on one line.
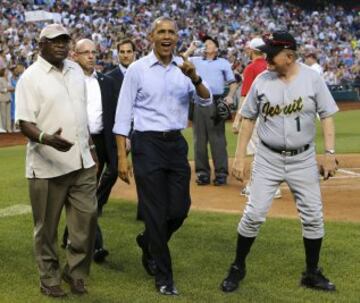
[(52, 291), (77, 286)]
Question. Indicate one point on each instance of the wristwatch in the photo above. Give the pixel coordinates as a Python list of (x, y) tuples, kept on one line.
[(330, 151), (198, 82)]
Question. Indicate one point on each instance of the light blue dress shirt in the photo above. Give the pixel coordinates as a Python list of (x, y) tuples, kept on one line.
[(156, 96), (217, 73)]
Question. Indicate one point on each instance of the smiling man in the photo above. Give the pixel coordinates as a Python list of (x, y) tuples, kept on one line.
[(156, 92)]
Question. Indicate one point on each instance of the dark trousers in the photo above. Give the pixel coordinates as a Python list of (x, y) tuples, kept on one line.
[(206, 131), (106, 178), (162, 176)]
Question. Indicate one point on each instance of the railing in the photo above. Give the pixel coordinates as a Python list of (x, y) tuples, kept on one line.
[(347, 91)]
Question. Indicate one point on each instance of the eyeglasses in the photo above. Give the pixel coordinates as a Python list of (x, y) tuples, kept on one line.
[(87, 53)]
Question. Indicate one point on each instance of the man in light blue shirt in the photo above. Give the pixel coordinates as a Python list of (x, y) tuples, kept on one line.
[(207, 127), (156, 93)]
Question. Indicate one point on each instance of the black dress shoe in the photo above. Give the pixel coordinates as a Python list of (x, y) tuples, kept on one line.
[(168, 290), (147, 260), (203, 180), (231, 282), (219, 181), (100, 255), (316, 280)]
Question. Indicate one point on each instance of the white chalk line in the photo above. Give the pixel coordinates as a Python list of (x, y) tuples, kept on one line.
[(348, 172), (18, 209)]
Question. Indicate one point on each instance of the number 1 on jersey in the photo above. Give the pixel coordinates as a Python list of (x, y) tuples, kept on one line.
[(298, 124)]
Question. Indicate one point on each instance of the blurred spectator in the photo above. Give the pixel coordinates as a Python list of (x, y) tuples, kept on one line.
[(333, 31), (5, 113), (311, 61), (17, 70)]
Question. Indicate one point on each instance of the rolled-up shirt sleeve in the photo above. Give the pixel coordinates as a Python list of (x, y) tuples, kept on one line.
[(126, 101)]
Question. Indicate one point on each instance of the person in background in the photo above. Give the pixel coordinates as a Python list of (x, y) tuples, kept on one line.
[(126, 55), (257, 65), (311, 61), (207, 129), (5, 102), (101, 105), (16, 73)]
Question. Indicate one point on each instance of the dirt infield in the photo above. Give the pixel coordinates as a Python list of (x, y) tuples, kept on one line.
[(340, 194)]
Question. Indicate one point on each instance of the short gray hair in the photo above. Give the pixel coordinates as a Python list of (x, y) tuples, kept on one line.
[(160, 19)]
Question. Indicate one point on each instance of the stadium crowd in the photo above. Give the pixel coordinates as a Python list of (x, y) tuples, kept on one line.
[(332, 34)]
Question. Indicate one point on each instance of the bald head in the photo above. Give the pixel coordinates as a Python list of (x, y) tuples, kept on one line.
[(85, 55), (83, 43)]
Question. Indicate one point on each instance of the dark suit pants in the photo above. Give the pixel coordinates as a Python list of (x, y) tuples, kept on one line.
[(106, 178), (162, 176)]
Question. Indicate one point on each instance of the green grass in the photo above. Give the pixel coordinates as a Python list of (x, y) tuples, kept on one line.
[(347, 135), (202, 251)]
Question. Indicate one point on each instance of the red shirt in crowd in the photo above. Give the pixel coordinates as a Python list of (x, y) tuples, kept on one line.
[(250, 73)]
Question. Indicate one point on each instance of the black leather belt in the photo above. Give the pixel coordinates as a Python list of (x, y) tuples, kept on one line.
[(166, 135), (288, 152)]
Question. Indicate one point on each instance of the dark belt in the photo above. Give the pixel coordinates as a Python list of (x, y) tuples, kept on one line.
[(288, 152), (167, 135)]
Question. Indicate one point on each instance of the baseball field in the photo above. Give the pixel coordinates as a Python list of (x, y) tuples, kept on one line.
[(203, 249)]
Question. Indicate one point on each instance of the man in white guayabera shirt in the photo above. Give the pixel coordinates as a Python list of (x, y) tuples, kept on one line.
[(51, 112)]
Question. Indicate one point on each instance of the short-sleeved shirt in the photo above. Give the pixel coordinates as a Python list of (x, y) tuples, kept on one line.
[(156, 96), (287, 111), (251, 72), (51, 99), (217, 73)]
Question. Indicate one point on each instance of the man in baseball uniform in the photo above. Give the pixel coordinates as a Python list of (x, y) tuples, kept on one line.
[(285, 99)]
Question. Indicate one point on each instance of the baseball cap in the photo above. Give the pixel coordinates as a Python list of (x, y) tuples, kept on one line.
[(205, 38), (255, 43), (54, 30), (276, 42)]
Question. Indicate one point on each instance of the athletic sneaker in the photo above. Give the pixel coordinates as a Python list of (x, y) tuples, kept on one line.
[(245, 191)]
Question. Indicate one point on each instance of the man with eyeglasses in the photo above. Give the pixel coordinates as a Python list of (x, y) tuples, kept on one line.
[(60, 161), (101, 102), (286, 99)]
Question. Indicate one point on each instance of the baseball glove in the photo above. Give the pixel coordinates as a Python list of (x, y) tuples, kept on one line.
[(223, 111)]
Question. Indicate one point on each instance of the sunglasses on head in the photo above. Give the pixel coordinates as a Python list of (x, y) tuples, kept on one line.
[(269, 39)]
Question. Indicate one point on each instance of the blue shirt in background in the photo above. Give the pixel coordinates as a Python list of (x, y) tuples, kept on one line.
[(216, 73), (156, 96)]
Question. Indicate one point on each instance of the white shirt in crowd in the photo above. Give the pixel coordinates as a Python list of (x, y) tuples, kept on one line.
[(318, 68), (94, 105)]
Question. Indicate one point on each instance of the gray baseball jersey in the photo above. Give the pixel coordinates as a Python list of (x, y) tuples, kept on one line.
[(287, 111), (287, 117)]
